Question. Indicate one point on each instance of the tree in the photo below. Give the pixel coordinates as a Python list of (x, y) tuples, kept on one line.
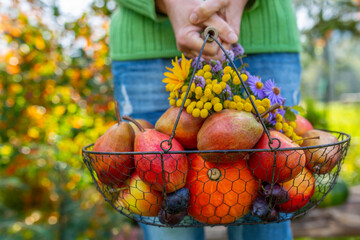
[(55, 98)]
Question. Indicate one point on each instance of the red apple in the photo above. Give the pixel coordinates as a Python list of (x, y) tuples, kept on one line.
[(302, 125), (139, 198), (288, 164), (300, 190), (149, 166), (153, 167)]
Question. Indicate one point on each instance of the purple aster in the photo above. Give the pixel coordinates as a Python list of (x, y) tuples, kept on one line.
[(215, 66), (227, 92), (272, 116), (200, 65), (231, 55), (272, 119), (273, 92), (256, 86), (199, 81), (238, 50)]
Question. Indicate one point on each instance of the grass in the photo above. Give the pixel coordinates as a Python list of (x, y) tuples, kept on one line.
[(346, 118)]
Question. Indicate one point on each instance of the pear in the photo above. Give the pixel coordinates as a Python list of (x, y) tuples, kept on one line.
[(113, 170), (144, 123), (228, 130), (321, 160), (151, 167), (186, 130)]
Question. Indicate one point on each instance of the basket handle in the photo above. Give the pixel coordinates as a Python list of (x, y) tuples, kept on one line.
[(210, 34)]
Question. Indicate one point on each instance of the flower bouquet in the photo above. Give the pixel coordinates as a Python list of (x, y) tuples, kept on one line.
[(216, 86)]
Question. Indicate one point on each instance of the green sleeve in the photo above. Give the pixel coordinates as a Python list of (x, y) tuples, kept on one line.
[(143, 7), (251, 5)]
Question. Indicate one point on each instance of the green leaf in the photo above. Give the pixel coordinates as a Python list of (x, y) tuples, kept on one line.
[(300, 109), (289, 114)]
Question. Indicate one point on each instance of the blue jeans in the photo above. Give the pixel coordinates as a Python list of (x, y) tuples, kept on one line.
[(141, 94)]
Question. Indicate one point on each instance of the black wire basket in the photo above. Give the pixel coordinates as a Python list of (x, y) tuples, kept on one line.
[(217, 187)]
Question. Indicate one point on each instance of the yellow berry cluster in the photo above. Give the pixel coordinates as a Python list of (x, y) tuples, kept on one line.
[(287, 128), (201, 101), (213, 91), (242, 104)]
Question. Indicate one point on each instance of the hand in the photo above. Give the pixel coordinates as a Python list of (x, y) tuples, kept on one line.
[(230, 10), (187, 35)]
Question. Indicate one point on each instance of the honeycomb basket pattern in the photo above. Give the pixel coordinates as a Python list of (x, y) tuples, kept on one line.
[(218, 192)]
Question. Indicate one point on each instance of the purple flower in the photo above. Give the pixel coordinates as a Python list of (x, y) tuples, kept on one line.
[(231, 55), (200, 65), (273, 92), (238, 50), (227, 92), (215, 66), (272, 116), (256, 86), (272, 119), (199, 81)]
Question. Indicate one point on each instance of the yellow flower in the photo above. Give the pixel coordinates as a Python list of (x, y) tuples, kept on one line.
[(178, 74)]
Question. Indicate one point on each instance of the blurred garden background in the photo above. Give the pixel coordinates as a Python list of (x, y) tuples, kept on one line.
[(56, 97)]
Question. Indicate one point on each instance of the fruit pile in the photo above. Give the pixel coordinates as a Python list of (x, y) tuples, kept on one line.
[(232, 170)]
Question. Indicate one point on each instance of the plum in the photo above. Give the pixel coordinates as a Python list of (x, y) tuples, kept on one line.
[(278, 195), (171, 219), (260, 207), (177, 201)]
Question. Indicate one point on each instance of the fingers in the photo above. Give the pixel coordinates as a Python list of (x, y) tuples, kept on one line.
[(206, 10), (188, 40), (234, 13), (226, 32)]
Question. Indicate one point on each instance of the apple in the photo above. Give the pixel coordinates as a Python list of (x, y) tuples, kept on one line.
[(302, 125), (150, 167), (288, 164), (321, 160), (139, 198), (300, 190), (154, 161)]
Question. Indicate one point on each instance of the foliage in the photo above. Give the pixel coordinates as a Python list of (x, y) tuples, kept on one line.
[(330, 36), (341, 117), (55, 98)]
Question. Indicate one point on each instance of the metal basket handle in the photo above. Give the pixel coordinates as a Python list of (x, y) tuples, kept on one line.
[(210, 34)]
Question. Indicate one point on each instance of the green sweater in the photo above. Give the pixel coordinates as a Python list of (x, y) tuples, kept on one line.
[(137, 31)]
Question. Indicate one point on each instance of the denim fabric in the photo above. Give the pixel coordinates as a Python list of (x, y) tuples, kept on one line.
[(285, 68), (162, 233), (138, 86), (141, 94), (279, 231)]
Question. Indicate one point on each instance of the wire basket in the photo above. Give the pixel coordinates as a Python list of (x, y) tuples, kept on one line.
[(217, 187)]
